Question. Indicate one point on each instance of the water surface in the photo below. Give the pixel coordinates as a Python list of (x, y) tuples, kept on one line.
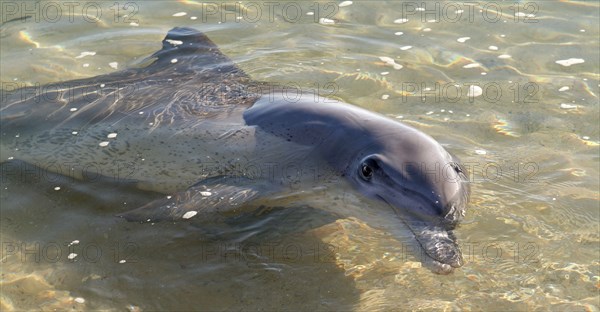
[(530, 138)]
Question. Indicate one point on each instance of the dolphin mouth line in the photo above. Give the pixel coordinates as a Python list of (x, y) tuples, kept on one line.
[(449, 214)]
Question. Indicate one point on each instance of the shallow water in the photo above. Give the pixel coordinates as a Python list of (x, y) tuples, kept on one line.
[(531, 140)]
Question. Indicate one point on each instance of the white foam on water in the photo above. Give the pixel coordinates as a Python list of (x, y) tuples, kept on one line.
[(523, 14), (390, 61), (567, 106), (474, 91), (472, 65), (569, 62), (387, 60), (189, 214), (85, 53), (326, 21)]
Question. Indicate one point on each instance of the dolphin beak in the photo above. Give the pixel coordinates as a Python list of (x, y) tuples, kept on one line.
[(435, 236)]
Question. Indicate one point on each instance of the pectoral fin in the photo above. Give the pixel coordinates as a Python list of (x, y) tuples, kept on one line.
[(216, 195)]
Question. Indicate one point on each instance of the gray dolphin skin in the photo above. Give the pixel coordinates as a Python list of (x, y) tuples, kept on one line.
[(192, 125)]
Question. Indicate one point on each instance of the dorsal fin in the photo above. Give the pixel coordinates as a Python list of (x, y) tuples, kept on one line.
[(187, 50), (199, 84)]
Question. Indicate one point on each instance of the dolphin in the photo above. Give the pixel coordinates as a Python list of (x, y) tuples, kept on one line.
[(192, 125)]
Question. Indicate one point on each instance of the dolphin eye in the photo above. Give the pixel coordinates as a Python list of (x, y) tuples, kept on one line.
[(366, 169), (366, 172)]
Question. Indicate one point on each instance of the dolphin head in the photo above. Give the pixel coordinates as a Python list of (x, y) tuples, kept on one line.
[(382, 159), (415, 174), (423, 183)]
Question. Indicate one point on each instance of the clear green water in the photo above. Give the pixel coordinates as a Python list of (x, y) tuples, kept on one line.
[(531, 238)]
